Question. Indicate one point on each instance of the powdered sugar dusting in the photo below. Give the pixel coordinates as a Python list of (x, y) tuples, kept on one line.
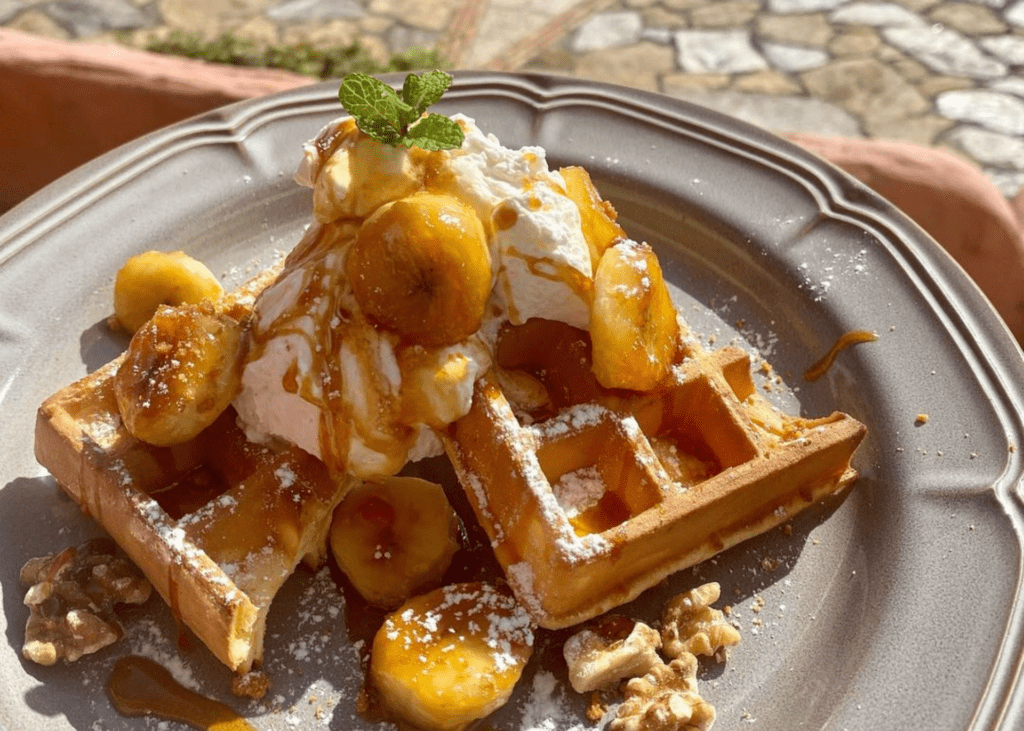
[(442, 627), (548, 709), (148, 640), (834, 265), (579, 490)]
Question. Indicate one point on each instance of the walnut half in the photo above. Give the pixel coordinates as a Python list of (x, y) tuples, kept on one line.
[(612, 649), (71, 598), (665, 699), (691, 625)]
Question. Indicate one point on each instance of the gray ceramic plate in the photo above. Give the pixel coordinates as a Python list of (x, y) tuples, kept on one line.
[(899, 607)]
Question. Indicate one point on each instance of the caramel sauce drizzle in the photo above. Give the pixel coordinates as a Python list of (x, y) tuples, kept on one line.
[(328, 142), (554, 271), (172, 592), (853, 337), (319, 253), (437, 178), (505, 217), (90, 495), (140, 687)]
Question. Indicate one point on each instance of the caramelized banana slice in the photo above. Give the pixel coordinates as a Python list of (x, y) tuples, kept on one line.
[(633, 325), (597, 216), (159, 278), (394, 537), (447, 658), (182, 369), (420, 267)]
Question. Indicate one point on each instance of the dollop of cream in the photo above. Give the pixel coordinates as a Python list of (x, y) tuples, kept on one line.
[(323, 377)]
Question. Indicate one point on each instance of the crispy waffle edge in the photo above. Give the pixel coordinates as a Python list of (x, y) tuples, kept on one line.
[(563, 580), (81, 441)]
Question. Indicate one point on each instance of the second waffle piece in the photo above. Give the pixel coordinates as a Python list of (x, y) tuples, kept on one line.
[(590, 506)]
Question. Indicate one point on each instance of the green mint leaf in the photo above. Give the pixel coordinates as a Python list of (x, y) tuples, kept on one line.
[(381, 130), (435, 132), (420, 92), (392, 119), (409, 118), (375, 106)]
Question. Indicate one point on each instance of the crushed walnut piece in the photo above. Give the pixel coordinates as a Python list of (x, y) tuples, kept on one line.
[(72, 595), (691, 625), (613, 648), (597, 707), (665, 699), (254, 684)]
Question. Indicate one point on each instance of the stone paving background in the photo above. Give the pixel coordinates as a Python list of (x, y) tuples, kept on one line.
[(943, 74)]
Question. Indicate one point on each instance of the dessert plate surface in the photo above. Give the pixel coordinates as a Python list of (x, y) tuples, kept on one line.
[(899, 605)]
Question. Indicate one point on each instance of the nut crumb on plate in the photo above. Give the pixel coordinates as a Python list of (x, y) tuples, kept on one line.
[(72, 595), (601, 655), (665, 699), (691, 625)]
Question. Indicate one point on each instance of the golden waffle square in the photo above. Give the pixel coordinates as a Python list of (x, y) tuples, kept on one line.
[(217, 524), (588, 508)]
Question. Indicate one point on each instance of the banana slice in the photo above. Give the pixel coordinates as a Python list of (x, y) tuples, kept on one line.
[(182, 369), (633, 324), (420, 267), (597, 216), (160, 278), (394, 537), (447, 658)]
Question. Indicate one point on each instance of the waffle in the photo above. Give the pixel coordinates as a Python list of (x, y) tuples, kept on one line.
[(217, 524), (604, 493)]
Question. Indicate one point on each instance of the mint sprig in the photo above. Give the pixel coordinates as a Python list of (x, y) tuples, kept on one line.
[(395, 119)]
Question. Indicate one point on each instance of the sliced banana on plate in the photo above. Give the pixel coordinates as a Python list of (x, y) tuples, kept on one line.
[(156, 278), (393, 537), (444, 659)]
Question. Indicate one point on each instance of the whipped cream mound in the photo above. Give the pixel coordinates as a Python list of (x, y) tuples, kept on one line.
[(322, 376), (544, 261)]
